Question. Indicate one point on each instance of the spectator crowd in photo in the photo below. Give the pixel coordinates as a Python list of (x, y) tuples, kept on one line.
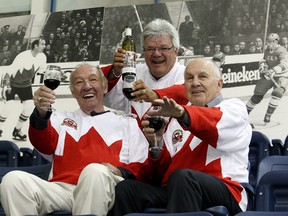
[(233, 27), (11, 43), (75, 36)]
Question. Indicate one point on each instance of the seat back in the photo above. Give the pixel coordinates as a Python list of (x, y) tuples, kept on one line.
[(9, 154), (200, 213), (258, 149), (261, 213), (271, 193), (31, 157), (285, 146), (39, 159), (273, 162), (276, 147), (25, 156), (41, 171)]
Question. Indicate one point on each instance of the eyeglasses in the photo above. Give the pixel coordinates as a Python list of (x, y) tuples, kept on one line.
[(160, 50)]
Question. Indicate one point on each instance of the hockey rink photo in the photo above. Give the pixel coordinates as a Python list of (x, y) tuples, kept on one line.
[(235, 65)]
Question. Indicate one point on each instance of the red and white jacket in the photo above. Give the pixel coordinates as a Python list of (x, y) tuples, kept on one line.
[(115, 99), (76, 139), (216, 142)]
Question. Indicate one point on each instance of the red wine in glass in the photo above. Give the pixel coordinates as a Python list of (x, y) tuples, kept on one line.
[(128, 82), (127, 92), (52, 79), (52, 83), (156, 123)]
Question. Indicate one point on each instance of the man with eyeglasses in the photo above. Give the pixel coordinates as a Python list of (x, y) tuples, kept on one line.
[(161, 69)]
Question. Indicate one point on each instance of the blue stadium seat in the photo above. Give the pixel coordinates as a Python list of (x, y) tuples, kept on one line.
[(271, 193), (285, 146), (31, 157), (56, 213), (41, 170), (25, 156), (261, 213), (154, 210), (200, 213), (258, 149), (276, 147), (9, 154), (215, 211), (218, 211), (273, 162)]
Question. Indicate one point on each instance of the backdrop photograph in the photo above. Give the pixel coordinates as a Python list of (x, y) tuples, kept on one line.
[(238, 29)]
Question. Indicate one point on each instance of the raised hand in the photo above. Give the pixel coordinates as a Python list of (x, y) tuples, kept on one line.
[(43, 98), (154, 133), (119, 57), (168, 108)]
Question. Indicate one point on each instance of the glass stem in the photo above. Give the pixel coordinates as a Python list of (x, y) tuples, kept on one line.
[(155, 140), (129, 107)]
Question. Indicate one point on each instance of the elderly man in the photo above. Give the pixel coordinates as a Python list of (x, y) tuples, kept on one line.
[(87, 145), (161, 69), (205, 150)]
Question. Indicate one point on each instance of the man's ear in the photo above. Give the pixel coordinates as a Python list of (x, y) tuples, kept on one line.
[(105, 89), (220, 85), (176, 51)]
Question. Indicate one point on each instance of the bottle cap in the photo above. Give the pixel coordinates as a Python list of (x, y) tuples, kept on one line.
[(128, 32)]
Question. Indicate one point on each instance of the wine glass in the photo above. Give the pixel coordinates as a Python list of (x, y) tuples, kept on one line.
[(52, 79), (128, 81), (157, 123)]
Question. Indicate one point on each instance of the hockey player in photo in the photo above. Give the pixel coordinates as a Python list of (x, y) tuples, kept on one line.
[(273, 70), (18, 81)]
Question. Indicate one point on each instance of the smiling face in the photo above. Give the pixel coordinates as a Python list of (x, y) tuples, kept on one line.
[(202, 84), (88, 87), (159, 63)]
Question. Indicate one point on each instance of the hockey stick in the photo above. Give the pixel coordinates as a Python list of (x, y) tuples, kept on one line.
[(275, 83), (138, 18)]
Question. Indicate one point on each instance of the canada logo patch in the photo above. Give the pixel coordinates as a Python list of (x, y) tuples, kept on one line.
[(70, 123), (177, 136)]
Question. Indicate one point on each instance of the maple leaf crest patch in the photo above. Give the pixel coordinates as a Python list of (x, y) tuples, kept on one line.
[(70, 123), (177, 136)]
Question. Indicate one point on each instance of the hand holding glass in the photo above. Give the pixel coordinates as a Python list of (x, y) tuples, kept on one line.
[(52, 79), (157, 123)]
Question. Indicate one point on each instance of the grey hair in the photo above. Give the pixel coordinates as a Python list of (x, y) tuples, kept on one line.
[(161, 27), (217, 70), (94, 69)]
